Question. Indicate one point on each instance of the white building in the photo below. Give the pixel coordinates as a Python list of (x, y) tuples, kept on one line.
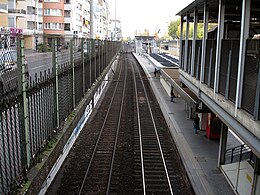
[(116, 32), (102, 15), (43, 20), (76, 19)]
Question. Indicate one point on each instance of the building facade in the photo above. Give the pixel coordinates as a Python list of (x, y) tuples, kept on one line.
[(42, 20), (116, 31), (102, 17)]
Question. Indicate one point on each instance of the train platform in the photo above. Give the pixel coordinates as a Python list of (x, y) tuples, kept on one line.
[(199, 154)]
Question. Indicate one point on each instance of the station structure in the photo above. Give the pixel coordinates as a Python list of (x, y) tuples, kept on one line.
[(222, 71)]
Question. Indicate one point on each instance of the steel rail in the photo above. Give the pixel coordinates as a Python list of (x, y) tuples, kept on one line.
[(139, 130), (100, 133), (118, 127), (155, 130)]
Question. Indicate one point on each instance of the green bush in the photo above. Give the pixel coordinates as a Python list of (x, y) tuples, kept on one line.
[(43, 47)]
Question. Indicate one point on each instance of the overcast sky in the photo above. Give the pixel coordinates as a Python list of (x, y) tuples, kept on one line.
[(145, 14)]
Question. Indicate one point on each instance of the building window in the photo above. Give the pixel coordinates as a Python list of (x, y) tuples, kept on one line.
[(47, 12), (31, 10), (39, 11), (67, 13), (67, 2), (11, 22), (52, 12), (53, 26), (67, 26), (40, 25), (30, 25)]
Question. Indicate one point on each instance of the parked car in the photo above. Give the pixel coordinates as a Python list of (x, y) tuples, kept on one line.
[(8, 71)]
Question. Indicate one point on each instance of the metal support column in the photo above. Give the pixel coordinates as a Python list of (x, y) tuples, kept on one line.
[(220, 35), (256, 175), (205, 36), (244, 32), (181, 45), (228, 74), (56, 88), (73, 72), (195, 21), (186, 42), (222, 144), (23, 91), (210, 67), (257, 95)]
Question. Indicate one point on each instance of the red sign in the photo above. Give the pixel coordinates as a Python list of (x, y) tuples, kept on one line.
[(16, 31)]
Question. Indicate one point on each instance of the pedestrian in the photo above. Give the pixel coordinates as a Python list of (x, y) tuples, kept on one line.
[(196, 124), (172, 96), (155, 72)]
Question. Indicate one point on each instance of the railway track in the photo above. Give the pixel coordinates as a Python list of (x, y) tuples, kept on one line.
[(133, 151), (154, 171), (98, 174)]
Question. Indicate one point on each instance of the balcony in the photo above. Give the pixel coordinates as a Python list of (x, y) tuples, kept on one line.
[(17, 12), (3, 8)]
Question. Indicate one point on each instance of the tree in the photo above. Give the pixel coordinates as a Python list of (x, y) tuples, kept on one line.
[(175, 26), (173, 29), (146, 32)]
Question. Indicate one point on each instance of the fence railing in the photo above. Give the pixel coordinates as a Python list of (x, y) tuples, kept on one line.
[(37, 94), (238, 154)]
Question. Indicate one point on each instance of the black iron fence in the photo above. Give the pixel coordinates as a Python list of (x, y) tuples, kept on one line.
[(38, 92)]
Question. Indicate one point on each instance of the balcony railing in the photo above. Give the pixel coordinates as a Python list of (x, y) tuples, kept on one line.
[(17, 11)]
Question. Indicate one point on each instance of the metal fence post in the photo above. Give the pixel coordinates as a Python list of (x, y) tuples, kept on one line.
[(95, 61), (83, 65), (22, 90), (99, 59), (73, 71), (56, 85)]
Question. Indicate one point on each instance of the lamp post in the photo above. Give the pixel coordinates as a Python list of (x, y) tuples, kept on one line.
[(115, 19), (91, 20)]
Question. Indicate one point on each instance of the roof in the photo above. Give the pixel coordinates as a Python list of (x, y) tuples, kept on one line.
[(145, 37), (232, 10)]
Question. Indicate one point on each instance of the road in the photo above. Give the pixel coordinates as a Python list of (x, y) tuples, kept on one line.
[(39, 62)]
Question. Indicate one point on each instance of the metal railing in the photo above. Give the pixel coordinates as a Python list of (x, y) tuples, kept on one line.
[(17, 11), (239, 153), (38, 104)]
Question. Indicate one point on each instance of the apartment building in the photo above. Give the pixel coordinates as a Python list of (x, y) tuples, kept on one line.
[(42, 20), (102, 18), (3, 13), (116, 32), (76, 19)]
